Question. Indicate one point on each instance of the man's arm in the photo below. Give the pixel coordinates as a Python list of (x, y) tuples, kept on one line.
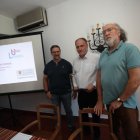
[(132, 84), (131, 87), (99, 106), (45, 82), (92, 86), (46, 87), (74, 83)]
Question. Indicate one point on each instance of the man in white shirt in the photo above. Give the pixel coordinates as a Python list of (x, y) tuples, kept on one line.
[(84, 70)]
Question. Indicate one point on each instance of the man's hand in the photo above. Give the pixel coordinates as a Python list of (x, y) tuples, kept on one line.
[(98, 108), (49, 95), (114, 105), (90, 88), (74, 94)]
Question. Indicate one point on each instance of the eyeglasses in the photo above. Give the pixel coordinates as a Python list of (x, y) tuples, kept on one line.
[(108, 30)]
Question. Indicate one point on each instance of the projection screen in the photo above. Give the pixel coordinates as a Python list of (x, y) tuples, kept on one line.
[(21, 63)]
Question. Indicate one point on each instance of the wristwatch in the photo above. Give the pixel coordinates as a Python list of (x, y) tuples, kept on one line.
[(119, 100)]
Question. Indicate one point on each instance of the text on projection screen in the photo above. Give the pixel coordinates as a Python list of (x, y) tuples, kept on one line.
[(17, 63)]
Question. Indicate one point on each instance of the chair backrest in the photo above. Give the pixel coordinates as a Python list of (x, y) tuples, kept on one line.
[(48, 107), (82, 123), (91, 111), (54, 115), (108, 125)]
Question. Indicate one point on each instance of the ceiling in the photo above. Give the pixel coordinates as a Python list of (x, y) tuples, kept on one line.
[(13, 8)]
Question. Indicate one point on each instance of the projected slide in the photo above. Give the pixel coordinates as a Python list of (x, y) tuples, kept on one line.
[(17, 63)]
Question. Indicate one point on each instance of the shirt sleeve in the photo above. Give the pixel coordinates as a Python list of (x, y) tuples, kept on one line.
[(73, 77), (70, 68), (45, 70), (132, 56)]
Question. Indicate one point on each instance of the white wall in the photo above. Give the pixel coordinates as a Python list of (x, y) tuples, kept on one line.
[(7, 25), (73, 19)]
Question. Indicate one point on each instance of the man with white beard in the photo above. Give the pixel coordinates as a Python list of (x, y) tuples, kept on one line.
[(118, 77)]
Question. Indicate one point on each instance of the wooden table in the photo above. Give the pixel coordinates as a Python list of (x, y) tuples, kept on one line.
[(6, 134)]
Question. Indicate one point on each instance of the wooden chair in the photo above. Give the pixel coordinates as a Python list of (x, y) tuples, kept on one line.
[(79, 131), (41, 116)]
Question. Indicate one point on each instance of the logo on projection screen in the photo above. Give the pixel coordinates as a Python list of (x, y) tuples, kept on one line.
[(14, 53)]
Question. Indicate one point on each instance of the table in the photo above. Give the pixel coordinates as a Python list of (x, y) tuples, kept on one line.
[(6, 134)]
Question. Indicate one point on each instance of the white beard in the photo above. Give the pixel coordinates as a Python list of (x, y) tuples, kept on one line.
[(110, 42)]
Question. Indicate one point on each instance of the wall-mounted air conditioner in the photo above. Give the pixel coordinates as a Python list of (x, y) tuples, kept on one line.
[(31, 20)]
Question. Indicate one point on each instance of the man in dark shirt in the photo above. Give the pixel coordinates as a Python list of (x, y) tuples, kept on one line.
[(57, 84)]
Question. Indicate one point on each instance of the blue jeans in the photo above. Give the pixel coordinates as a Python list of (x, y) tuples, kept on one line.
[(66, 101)]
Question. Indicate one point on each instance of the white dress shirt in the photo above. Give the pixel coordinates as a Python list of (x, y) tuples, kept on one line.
[(84, 70)]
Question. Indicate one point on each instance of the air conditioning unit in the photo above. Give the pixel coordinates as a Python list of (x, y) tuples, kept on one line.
[(31, 20)]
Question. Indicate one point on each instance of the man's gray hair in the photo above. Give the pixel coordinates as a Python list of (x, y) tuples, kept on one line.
[(123, 36)]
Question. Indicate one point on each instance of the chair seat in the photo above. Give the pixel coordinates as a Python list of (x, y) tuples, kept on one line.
[(43, 134)]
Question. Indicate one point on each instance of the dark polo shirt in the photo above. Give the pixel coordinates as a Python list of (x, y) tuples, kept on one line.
[(59, 76)]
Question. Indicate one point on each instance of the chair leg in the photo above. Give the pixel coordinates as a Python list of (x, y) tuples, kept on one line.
[(81, 135), (113, 136)]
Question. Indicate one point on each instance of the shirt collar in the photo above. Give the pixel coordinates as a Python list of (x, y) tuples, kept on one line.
[(57, 62), (119, 45)]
